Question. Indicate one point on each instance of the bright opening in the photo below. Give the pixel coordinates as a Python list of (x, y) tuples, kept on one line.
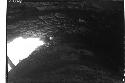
[(9, 68), (20, 48)]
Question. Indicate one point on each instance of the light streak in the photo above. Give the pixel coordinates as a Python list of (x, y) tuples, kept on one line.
[(20, 48)]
